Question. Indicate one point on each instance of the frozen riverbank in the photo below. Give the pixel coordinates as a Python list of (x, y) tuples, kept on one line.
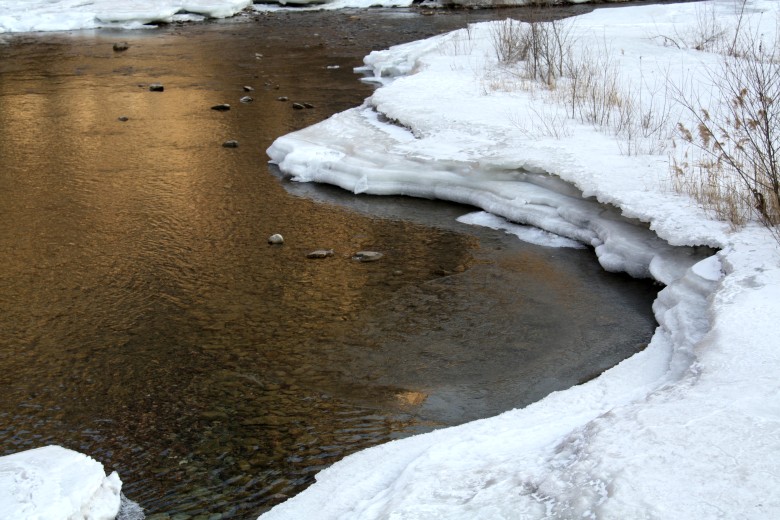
[(69, 15), (685, 429)]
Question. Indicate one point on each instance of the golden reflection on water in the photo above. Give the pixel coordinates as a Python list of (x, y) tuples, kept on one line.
[(145, 319)]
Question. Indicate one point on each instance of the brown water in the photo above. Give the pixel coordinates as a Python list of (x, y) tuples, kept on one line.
[(146, 322)]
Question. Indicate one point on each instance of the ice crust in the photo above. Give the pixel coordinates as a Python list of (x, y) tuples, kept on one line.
[(689, 427), (52, 483), (356, 151)]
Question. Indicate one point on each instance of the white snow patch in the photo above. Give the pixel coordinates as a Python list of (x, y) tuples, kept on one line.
[(53, 482), (67, 15)]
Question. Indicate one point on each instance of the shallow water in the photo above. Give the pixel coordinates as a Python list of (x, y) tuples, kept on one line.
[(146, 322)]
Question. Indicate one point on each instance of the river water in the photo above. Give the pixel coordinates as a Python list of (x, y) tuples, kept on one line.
[(146, 321)]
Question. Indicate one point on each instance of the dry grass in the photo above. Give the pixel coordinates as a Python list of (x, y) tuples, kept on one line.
[(730, 161)]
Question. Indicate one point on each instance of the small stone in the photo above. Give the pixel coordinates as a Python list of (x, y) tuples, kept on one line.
[(222, 107), (123, 118), (307, 105), (121, 46), (247, 88), (367, 256), (232, 143), (282, 98), (156, 87), (276, 239), (247, 99), (321, 253), (298, 106)]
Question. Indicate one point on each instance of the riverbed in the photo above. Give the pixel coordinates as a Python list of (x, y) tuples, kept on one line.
[(147, 322)]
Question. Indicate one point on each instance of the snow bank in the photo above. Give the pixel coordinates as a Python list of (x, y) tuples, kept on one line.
[(689, 427), (53, 482), (67, 15)]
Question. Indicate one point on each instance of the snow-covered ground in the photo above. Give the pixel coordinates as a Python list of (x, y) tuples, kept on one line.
[(52, 482), (688, 428)]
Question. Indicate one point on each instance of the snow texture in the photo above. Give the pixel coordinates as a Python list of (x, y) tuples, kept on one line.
[(56, 483), (689, 427)]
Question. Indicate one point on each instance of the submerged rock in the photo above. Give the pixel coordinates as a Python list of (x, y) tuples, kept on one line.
[(232, 143), (156, 87), (247, 99), (321, 253), (247, 88), (123, 118), (367, 256), (276, 239), (221, 107), (121, 46)]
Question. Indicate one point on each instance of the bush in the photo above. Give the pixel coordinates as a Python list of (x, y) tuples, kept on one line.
[(738, 139), (543, 47)]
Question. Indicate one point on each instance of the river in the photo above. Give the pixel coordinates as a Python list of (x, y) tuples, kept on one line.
[(147, 322)]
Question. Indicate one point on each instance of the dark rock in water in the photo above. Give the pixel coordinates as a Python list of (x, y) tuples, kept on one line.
[(307, 105), (321, 253), (222, 108), (247, 99), (121, 46), (230, 144), (247, 88), (123, 118), (282, 98), (156, 87), (298, 106), (276, 239), (367, 256)]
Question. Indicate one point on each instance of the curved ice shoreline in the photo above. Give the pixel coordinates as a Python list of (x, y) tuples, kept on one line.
[(687, 428), (354, 150)]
